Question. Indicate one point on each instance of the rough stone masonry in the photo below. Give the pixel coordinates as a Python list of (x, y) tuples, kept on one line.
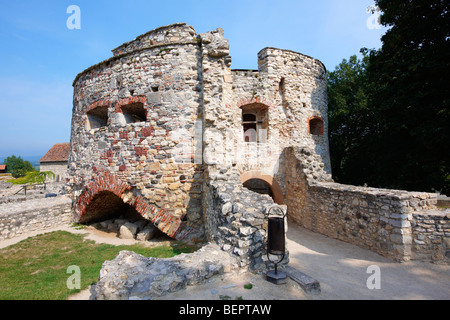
[(166, 127)]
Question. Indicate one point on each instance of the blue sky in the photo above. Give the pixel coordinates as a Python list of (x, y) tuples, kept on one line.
[(40, 56)]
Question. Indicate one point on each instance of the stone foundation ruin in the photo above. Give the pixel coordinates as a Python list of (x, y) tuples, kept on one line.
[(167, 128)]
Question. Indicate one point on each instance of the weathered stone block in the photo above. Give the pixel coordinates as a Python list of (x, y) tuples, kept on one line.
[(146, 233), (128, 231)]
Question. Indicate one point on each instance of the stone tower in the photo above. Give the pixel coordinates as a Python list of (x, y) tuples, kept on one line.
[(166, 128)]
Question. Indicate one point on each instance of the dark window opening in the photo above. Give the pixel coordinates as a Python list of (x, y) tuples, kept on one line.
[(134, 112), (316, 126), (97, 117), (249, 125)]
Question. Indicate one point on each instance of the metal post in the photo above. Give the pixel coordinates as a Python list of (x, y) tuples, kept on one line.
[(276, 245)]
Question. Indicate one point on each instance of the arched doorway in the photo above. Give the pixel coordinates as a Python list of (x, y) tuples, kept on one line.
[(259, 186), (263, 183)]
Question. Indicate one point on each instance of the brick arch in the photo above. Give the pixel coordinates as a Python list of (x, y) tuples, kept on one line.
[(130, 100), (107, 182), (263, 102), (98, 103), (274, 186)]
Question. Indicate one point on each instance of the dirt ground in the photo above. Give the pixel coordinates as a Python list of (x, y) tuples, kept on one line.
[(341, 269)]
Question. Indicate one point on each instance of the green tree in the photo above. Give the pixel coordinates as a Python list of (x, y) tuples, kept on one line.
[(17, 166), (411, 98), (350, 120)]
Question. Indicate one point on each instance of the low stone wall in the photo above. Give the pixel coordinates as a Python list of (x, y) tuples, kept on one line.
[(376, 219), (443, 201), (431, 235), (34, 215), (10, 193)]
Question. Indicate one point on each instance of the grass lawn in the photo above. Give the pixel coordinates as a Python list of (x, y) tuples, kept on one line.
[(36, 268)]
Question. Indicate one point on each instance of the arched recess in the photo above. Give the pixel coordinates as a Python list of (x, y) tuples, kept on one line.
[(277, 192), (97, 117), (315, 126), (92, 203), (259, 186), (106, 205)]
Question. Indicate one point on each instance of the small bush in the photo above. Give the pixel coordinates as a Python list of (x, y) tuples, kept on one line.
[(248, 286), (33, 177)]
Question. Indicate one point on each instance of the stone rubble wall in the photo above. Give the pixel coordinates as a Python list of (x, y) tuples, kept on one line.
[(34, 215), (236, 218), (131, 276), (296, 85), (10, 193), (155, 157), (177, 32), (194, 107), (431, 235), (194, 99), (291, 87), (381, 220), (58, 168)]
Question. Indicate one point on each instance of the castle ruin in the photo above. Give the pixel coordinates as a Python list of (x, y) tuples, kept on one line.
[(167, 129)]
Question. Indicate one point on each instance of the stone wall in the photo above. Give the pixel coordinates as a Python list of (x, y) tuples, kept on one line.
[(431, 235), (154, 155), (289, 89), (34, 215), (160, 127), (174, 33), (58, 168), (14, 193), (377, 219), (236, 218)]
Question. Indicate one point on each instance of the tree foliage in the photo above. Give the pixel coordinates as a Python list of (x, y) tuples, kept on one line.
[(17, 166), (350, 119), (405, 110)]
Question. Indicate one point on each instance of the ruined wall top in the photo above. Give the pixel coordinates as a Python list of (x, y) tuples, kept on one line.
[(173, 33), (177, 33), (264, 53)]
